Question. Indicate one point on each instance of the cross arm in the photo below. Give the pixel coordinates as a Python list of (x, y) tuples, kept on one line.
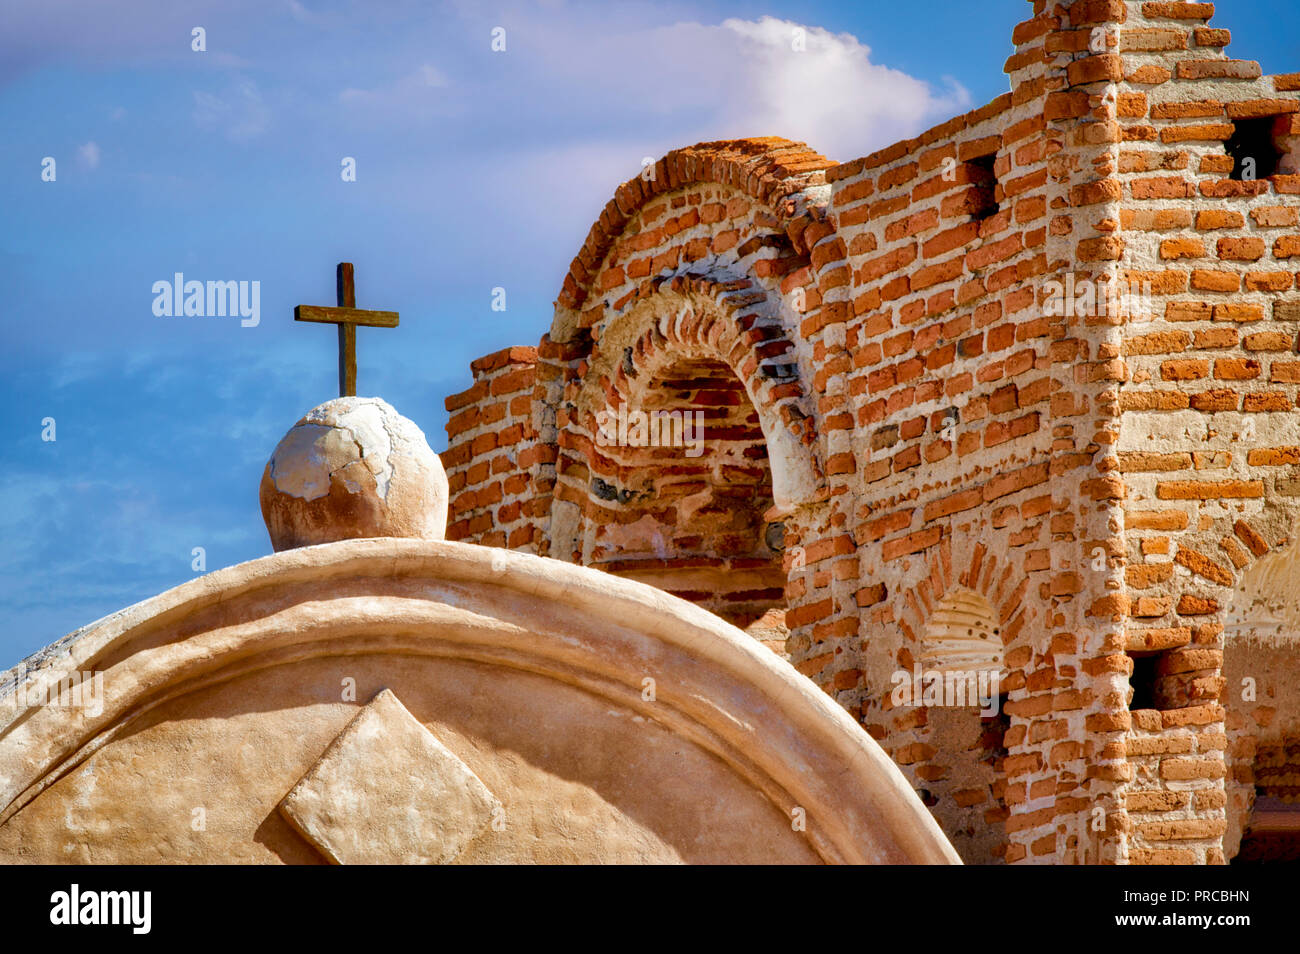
[(345, 316)]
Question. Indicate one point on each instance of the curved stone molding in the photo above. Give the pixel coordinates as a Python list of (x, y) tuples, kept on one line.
[(530, 630)]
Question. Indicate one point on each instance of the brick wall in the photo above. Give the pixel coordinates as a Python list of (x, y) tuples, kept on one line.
[(948, 390), (1209, 390), (919, 391), (491, 450)]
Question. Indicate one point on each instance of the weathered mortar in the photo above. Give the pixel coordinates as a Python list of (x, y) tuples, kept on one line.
[(915, 418)]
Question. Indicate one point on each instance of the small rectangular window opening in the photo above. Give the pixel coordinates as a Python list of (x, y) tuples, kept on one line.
[(1253, 148), (985, 181), (1143, 681)]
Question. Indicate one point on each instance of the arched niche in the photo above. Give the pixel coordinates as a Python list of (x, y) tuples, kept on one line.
[(1261, 641), (691, 432), (724, 321), (962, 635), (963, 782)]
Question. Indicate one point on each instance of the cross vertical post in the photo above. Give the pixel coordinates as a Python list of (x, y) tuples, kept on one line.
[(347, 298), (347, 316)]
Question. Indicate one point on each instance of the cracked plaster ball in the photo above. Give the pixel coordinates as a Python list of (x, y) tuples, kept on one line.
[(353, 467)]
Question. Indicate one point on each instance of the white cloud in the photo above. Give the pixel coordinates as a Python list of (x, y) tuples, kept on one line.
[(241, 114), (826, 92), (299, 12), (746, 78), (89, 155), (430, 76), (414, 93), (665, 87), (613, 77)]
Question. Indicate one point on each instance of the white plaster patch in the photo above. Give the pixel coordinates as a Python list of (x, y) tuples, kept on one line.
[(336, 438), (1265, 605), (304, 459), (1173, 430), (369, 425)]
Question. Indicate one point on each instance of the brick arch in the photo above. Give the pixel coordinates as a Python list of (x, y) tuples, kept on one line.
[(986, 575), (736, 323), (787, 178), (748, 210), (712, 345), (716, 315), (963, 632), (1271, 572), (956, 757), (1262, 754), (1190, 740), (1216, 562)]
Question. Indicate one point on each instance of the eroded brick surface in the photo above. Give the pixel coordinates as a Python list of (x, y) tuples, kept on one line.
[(914, 401)]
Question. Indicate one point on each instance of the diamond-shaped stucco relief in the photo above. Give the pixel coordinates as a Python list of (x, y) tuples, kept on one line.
[(386, 791)]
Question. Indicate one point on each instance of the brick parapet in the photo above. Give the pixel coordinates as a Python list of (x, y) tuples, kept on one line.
[(491, 448)]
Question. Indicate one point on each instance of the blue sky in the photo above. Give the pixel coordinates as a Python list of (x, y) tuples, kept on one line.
[(475, 169)]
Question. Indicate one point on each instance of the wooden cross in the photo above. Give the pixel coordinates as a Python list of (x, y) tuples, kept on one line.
[(347, 316)]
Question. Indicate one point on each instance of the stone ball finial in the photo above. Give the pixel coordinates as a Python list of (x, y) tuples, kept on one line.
[(353, 467)]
